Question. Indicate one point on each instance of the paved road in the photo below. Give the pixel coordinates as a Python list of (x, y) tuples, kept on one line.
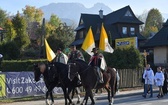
[(123, 98), (137, 100)]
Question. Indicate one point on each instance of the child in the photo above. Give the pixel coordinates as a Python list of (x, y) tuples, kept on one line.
[(159, 79)]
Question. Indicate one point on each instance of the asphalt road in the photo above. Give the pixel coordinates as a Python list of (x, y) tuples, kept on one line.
[(126, 99)]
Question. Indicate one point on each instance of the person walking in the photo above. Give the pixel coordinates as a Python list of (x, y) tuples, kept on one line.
[(159, 80), (164, 87), (149, 80)]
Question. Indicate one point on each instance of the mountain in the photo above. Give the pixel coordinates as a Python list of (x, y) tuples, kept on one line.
[(70, 12), (165, 16)]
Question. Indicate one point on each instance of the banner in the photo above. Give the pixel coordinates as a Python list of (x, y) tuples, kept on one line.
[(20, 84), (126, 42), (2, 85)]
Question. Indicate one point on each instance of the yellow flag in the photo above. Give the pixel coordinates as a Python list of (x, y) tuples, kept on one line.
[(50, 54), (88, 43), (104, 44)]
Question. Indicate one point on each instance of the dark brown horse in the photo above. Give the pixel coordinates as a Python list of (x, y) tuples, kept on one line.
[(89, 80)]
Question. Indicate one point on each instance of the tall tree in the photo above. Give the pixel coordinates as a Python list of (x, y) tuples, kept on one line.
[(10, 32), (63, 36), (32, 14), (153, 22), (54, 21), (22, 38), (3, 17)]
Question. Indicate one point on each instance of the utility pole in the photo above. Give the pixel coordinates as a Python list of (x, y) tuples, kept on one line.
[(42, 49)]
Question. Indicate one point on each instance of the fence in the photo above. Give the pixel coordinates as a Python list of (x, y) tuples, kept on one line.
[(130, 78)]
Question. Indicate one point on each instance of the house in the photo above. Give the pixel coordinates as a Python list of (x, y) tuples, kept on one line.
[(118, 24), (159, 44)]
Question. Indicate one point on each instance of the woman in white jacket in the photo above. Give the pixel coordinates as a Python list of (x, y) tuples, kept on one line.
[(159, 80)]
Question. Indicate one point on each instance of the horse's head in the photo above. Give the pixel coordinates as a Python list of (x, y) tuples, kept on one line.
[(38, 70), (72, 71)]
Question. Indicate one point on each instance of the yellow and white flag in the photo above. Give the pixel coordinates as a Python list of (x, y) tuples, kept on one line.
[(104, 44), (50, 54), (88, 43)]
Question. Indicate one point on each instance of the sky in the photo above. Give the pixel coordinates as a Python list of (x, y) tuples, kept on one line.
[(138, 6)]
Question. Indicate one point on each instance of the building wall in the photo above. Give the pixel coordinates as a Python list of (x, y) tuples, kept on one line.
[(160, 55)]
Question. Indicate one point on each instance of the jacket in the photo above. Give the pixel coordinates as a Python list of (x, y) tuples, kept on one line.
[(159, 78), (149, 76)]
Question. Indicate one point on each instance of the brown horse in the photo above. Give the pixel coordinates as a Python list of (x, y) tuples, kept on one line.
[(89, 80)]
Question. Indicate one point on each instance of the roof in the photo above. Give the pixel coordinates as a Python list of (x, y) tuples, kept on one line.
[(119, 16), (160, 39), (78, 42), (94, 21)]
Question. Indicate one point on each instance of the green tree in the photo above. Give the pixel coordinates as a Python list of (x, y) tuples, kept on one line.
[(153, 22), (22, 39), (32, 14), (54, 21), (10, 32), (63, 36), (3, 17)]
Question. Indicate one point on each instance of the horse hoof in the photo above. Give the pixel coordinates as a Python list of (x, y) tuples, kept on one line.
[(111, 104)]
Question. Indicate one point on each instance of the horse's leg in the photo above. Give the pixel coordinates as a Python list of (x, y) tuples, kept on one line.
[(69, 91), (52, 99), (108, 91), (84, 99), (73, 93), (65, 95), (112, 92), (77, 92), (91, 97), (47, 98)]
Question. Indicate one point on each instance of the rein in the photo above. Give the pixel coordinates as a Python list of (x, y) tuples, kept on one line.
[(84, 69)]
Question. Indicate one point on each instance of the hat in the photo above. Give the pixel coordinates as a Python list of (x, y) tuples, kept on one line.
[(59, 49), (94, 49), (73, 46)]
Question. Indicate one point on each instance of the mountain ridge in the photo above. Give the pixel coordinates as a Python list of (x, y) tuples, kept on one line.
[(70, 12)]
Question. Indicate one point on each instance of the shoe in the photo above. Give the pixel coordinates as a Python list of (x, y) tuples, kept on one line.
[(144, 96)]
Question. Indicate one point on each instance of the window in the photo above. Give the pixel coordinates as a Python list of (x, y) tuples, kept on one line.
[(124, 30), (132, 31), (128, 13), (80, 34)]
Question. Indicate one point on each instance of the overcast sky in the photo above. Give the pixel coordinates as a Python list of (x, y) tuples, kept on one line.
[(138, 6)]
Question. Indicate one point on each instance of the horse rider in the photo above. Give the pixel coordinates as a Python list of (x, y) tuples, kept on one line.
[(95, 61), (61, 57), (74, 55)]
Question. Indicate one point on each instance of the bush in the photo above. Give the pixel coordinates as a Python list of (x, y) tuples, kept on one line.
[(10, 50), (124, 58)]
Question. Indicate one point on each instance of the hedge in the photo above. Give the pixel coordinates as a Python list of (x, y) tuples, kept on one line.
[(19, 65)]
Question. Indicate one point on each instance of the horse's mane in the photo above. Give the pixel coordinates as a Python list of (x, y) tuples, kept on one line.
[(82, 62)]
